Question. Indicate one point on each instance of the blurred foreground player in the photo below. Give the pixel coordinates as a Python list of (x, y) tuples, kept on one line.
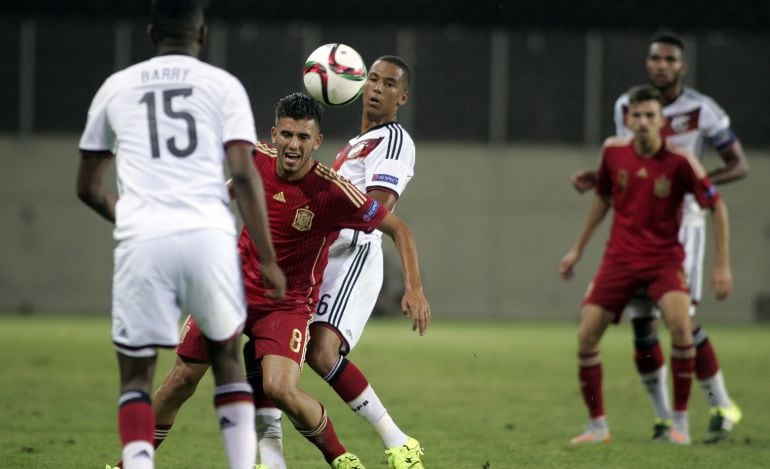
[(172, 121)]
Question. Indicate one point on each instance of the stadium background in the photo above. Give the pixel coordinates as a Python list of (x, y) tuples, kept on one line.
[(507, 101)]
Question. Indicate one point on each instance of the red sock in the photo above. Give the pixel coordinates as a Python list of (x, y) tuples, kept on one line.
[(649, 358), (348, 381), (706, 364), (681, 373), (324, 438), (135, 419), (591, 387)]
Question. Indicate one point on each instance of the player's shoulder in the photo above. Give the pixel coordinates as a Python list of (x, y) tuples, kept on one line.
[(616, 142), (685, 157), (696, 97), (338, 184), (264, 149), (397, 141)]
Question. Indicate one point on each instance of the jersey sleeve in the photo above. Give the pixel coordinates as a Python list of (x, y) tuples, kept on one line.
[(238, 120), (98, 135), (621, 110), (699, 184), (391, 165), (355, 209), (715, 124)]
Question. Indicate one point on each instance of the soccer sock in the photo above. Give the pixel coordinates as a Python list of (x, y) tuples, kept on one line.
[(352, 386), (707, 370), (235, 410), (324, 438), (135, 425), (682, 367), (652, 371), (269, 437), (161, 432), (590, 375)]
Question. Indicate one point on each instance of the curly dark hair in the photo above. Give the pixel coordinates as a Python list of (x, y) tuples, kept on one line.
[(299, 106)]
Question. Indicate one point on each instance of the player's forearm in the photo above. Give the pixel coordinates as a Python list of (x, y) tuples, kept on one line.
[(721, 234), (596, 213), (250, 195), (735, 166), (101, 201), (407, 252)]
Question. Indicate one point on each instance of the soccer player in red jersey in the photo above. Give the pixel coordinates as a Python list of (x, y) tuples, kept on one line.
[(307, 206), (644, 181)]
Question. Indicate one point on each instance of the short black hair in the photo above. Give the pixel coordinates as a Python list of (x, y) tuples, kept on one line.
[(299, 106), (177, 20), (668, 37), (400, 63), (645, 92)]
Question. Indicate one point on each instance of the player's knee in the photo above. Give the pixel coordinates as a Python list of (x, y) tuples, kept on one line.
[(322, 357), (280, 392), (182, 381)]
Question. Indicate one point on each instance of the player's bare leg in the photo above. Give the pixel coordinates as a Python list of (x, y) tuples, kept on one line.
[(675, 308), (593, 322), (351, 385), (280, 382)]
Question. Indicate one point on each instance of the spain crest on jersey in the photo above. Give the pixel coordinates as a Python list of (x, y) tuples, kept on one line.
[(303, 219), (662, 188)]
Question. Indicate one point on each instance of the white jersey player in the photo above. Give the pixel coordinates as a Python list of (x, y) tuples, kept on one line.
[(171, 121), (380, 159)]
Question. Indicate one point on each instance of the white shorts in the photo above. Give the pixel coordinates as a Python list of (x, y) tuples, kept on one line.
[(693, 238), (351, 285), (155, 279)]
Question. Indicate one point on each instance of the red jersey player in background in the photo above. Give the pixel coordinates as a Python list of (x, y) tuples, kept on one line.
[(694, 122), (307, 206), (645, 182)]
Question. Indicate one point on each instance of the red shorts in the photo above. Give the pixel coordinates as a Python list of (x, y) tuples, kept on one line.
[(615, 283), (283, 333)]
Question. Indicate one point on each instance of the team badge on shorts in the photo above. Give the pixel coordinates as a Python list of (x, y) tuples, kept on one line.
[(662, 187), (303, 219)]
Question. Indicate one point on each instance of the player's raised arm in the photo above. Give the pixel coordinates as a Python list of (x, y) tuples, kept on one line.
[(246, 186), (414, 304)]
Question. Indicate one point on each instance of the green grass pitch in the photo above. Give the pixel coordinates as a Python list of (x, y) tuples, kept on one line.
[(476, 394)]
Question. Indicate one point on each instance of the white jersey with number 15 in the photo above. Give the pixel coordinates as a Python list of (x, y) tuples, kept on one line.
[(173, 115)]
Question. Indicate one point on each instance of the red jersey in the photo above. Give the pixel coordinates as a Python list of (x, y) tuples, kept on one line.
[(646, 195), (305, 217)]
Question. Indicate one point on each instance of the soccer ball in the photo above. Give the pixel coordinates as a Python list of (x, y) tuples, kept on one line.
[(334, 74)]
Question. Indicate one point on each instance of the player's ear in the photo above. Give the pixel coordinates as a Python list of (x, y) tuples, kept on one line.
[(318, 141), (203, 34), (403, 98), (273, 133), (152, 34)]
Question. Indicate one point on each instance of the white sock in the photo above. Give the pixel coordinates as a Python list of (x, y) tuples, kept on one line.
[(680, 422), (236, 423), (599, 423), (715, 391), (369, 406), (655, 385), (269, 436), (138, 455)]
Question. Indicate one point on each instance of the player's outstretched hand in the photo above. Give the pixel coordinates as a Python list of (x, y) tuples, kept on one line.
[(721, 281), (415, 306), (583, 180), (567, 263), (273, 277)]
